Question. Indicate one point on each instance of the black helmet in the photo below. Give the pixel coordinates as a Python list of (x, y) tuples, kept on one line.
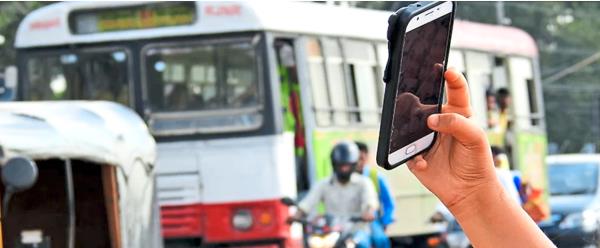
[(344, 153)]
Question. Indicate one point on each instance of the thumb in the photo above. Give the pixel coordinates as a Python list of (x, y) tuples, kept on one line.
[(459, 127)]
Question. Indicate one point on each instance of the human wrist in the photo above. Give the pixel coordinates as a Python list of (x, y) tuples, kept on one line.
[(481, 200), (489, 217)]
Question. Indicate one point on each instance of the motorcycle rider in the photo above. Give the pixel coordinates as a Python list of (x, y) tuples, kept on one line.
[(345, 194)]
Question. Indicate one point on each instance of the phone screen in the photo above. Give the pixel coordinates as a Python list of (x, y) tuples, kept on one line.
[(419, 87)]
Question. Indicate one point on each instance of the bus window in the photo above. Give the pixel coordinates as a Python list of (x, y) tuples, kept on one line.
[(360, 56), (202, 79), (533, 105), (187, 77), (479, 69), (241, 75), (456, 60), (320, 92), (89, 75), (382, 56), (106, 76), (522, 90), (335, 79), (46, 78), (182, 80), (499, 73)]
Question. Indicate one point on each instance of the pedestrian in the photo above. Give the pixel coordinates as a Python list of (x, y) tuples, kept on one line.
[(504, 175), (385, 214)]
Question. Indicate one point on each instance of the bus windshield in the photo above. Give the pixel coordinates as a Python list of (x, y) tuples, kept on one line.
[(88, 74), (206, 87)]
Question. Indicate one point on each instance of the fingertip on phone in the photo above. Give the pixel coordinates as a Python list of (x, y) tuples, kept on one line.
[(433, 120)]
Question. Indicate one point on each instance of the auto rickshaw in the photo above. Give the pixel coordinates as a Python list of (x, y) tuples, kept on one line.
[(76, 174)]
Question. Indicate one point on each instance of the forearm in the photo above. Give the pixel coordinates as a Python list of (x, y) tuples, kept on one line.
[(305, 207), (490, 218), (311, 200)]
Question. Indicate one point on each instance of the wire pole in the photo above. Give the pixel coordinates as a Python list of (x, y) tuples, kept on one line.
[(574, 68), (501, 18), (595, 118), (499, 12)]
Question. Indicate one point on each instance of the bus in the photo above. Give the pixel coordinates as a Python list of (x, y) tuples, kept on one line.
[(245, 100)]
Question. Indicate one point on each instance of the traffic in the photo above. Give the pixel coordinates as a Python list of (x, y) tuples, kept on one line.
[(193, 124)]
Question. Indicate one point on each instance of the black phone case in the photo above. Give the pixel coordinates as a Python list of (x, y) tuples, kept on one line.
[(395, 35)]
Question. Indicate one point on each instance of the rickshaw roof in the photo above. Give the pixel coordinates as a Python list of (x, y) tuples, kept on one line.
[(101, 132)]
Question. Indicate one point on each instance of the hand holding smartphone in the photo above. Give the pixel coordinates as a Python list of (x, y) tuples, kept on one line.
[(418, 44)]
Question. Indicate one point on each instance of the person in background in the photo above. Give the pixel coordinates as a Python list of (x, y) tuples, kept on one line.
[(385, 214), (345, 194), (492, 109), (504, 100), (518, 183), (504, 123), (504, 175)]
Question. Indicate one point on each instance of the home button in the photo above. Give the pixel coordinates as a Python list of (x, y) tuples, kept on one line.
[(411, 149)]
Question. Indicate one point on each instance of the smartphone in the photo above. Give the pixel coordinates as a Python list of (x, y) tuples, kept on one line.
[(418, 44)]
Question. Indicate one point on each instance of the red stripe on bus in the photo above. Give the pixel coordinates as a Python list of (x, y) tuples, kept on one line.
[(182, 221), (214, 222)]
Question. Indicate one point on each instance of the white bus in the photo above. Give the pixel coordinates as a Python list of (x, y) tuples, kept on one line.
[(246, 99)]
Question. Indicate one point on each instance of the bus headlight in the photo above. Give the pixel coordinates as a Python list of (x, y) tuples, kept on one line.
[(242, 219)]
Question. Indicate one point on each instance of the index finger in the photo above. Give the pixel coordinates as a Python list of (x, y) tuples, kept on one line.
[(458, 92)]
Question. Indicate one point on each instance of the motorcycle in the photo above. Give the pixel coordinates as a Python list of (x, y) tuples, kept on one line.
[(452, 234), (327, 231)]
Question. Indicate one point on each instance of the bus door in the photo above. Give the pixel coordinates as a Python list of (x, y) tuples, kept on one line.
[(292, 110), (501, 88)]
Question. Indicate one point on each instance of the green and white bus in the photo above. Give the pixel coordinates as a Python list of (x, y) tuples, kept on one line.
[(246, 99)]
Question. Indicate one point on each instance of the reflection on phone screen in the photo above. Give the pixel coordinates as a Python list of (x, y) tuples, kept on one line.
[(420, 82)]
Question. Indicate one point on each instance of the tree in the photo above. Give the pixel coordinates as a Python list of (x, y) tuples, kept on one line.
[(11, 14), (566, 33)]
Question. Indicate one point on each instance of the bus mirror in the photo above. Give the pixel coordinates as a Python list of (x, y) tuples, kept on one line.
[(288, 201), (18, 174)]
